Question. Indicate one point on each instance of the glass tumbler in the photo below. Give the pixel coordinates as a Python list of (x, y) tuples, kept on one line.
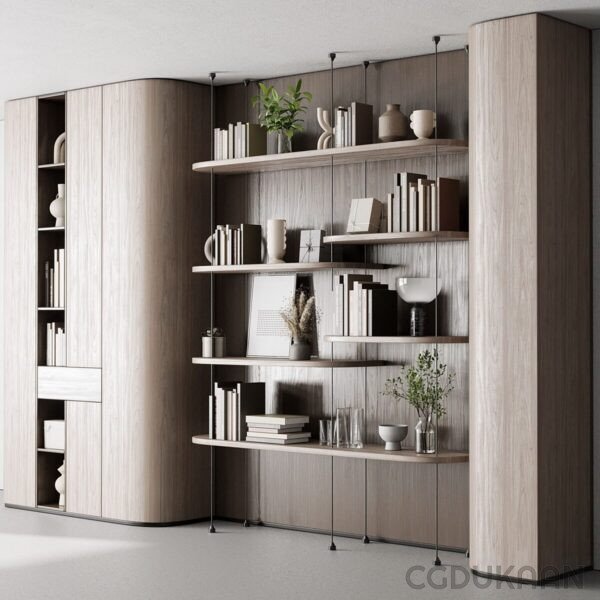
[(325, 432), (342, 428), (357, 427)]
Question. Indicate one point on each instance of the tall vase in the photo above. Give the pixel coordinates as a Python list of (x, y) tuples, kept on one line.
[(60, 487), (276, 240), (284, 143), (425, 435), (393, 124), (57, 206)]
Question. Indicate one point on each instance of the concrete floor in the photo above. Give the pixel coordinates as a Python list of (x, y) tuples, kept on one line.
[(49, 557)]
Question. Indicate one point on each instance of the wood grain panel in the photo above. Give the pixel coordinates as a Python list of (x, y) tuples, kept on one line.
[(154, 224), (84, 228), (69, 383), (20, 296), (84, 458)]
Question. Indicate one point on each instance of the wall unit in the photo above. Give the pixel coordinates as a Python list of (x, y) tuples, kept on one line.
[(530, 297), (131, 232)]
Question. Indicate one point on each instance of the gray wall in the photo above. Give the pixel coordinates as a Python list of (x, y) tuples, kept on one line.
[(1, 304), (596, 284)]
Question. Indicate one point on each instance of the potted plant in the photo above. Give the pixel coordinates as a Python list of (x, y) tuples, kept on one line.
[(213, 343), (300, 318), (279, 113), (424, 385)]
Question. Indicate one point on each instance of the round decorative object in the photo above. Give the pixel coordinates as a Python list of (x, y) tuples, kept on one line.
[(276, 240), (57, 206), (60, 487), (299, 350), (59, 148), (393, 435), (423, 122), (393, 124)]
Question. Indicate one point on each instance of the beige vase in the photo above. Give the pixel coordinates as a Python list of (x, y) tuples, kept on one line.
[(393, 124)]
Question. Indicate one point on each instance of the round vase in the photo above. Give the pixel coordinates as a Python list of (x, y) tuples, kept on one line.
[(425, 436), (299, 350), (393, 124), (59, 486), (57, 206), (276, 240)]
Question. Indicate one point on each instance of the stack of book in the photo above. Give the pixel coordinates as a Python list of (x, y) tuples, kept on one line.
[(239, 141), (56, 345), (237, 244), (228, 408), (54, 280), (421, 204), (277, 429), (365, 307), (353, 125)]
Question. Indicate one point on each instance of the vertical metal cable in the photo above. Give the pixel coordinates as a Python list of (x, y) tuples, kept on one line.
[(212, 284)]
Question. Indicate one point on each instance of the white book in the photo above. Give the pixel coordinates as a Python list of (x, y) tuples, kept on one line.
[(276, 419), (59, 341), (53, 343), (230, 140), (225, 144), (245, 140), (274, 441), (390, 212), (282, 436), (61, 277), (216, 141), (49, 344), (55, 294), (283, 429), (434, 209), (412, 207)]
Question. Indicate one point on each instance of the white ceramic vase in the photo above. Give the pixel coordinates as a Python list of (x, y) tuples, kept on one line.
[(423, 122), (60, 486), (276, 240), (59, 148), (57, 206)]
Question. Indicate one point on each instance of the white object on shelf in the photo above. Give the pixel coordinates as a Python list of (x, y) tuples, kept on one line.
[(60, 487), (418, 290), (423, 122), (276, 240), (57, 206), (365, 215), (54, 434), (59, 148)]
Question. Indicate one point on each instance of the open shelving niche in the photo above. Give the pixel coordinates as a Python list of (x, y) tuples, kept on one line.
[(332, 157), (51, 123)]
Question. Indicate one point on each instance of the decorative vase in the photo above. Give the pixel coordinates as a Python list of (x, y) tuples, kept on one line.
[(392, 435), (299, 350), (423, 122), (57, 206), (60, 487), (393, 124), (284, 143), (213, 346), (426, 441), (58, 154), (276, 240)]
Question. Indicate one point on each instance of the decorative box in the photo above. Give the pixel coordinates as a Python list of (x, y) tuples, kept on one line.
[(311, 245), (365, 215)]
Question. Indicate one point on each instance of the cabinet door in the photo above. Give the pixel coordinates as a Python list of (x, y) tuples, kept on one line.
[(84, 227), (83, 457), (20, 289)]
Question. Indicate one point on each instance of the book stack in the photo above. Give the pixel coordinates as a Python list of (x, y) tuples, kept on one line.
[(277, 429), (228, 408), (56, 345), (239, 141), (421, 204), (237, 244), (54, 280), (353, 125), (365, 307)]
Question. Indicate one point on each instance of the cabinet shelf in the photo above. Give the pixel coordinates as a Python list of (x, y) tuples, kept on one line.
[(397, 339), (41, 229), (51, 308), (50, 451), (265, 361), (53, 166), (55, 507), (339, 156), (373, 452), (304, 267), (414, 237)]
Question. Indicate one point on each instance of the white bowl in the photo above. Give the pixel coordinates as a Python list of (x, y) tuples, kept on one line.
[(393, 435), (417, 290)]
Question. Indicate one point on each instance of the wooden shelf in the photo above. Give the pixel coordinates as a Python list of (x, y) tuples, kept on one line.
[(51, 229), (51, 507), (366, 239), (304, 267), (265, 361), (50, 308), (376, 339), (50, 451), (374, 452), (52, 166), (323, 158)]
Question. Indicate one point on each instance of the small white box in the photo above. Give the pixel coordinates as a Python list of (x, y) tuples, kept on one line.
[(54, 435), (365, 215)]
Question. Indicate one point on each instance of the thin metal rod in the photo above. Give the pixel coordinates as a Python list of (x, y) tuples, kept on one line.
[(212, 288)]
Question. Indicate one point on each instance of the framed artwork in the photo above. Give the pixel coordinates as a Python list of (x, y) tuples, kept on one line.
[(311, 245)]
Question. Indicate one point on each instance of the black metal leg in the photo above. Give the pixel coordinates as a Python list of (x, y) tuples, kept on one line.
[(211, 529)]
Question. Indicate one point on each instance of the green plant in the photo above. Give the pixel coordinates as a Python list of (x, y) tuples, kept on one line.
[(280, 112), (300, 316), (424, 385)]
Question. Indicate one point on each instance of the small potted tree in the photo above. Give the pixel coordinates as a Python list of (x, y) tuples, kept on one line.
[(424, 385), (280, 113), (300, 318)]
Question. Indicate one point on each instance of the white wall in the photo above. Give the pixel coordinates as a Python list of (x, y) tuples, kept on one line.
[(596, 283), (1, 305)]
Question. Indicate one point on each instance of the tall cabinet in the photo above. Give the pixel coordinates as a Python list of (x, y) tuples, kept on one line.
[(133, 226)]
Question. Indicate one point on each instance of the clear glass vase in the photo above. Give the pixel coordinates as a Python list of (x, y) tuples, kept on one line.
[(342, 428), (425, 436), (357, 427), (284, 143)]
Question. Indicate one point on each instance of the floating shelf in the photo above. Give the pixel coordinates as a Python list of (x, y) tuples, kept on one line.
[(366, 239), (377, 339), (340, 156), (304, 267), (368, 452), (260, 361), (51, 228), (52, 166), (50, 451), (51, 308)]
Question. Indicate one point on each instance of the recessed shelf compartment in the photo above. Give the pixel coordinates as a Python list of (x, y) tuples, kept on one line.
[(53, 166), (303, 267), (340, 156), (368, 452), (53, 506), (414, 237), (314, 363), (398, 339)]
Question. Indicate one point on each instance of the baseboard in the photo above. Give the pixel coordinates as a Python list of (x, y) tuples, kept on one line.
[(542, 581)]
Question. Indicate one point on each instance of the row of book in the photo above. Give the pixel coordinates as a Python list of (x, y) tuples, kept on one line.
[(240, 140), (229, 406), (56, 345), (422, 204), (353, 125), (237, 244), (277, 429), (364, 307), (54, 280)]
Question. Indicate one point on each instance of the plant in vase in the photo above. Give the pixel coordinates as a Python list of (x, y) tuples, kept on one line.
[(279, 113), (213, 343), (300, 318), (424, 385)]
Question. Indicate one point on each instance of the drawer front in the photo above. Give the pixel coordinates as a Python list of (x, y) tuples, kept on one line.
[(70, 383)]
